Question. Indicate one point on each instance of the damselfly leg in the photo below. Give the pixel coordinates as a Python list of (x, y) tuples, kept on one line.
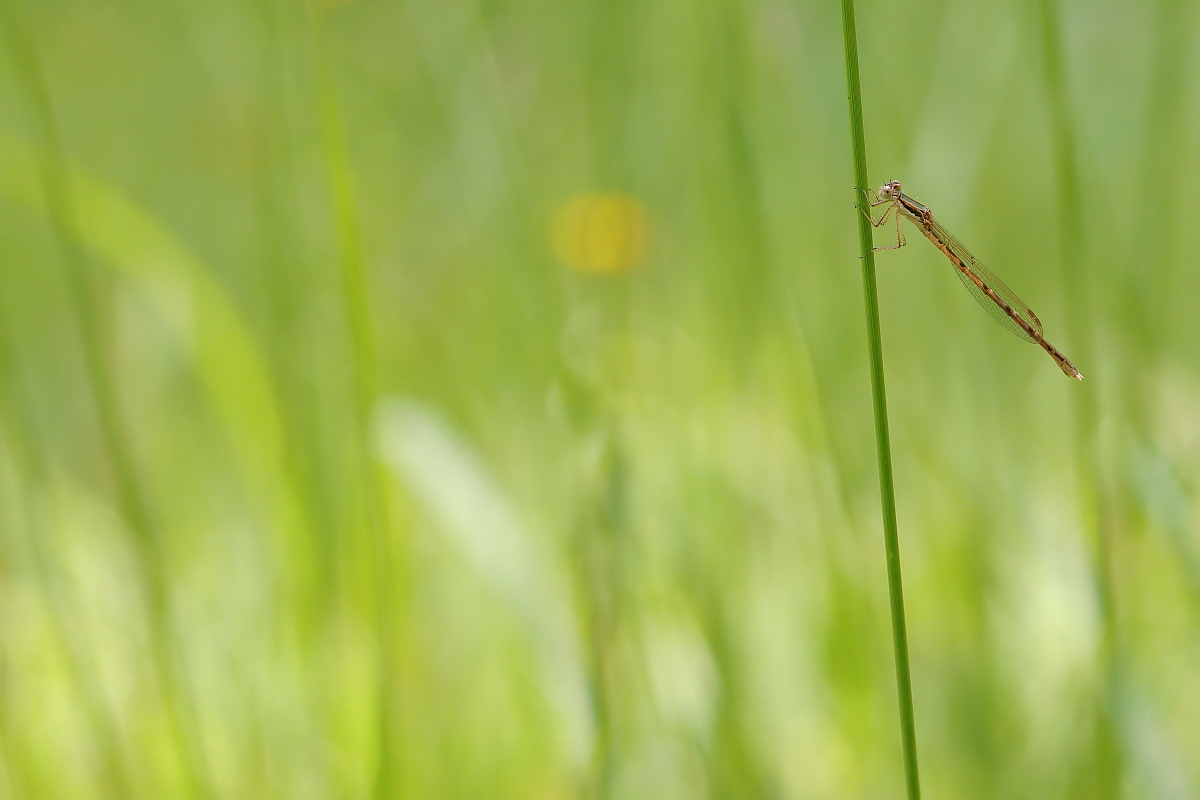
[(878, 223)]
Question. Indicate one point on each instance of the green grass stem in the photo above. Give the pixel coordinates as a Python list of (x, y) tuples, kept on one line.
[(883, 447)]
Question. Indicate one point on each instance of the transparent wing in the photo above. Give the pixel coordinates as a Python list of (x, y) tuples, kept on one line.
[(995, 284)]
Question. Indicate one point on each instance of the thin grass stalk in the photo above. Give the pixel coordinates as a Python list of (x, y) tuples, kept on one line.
[(883, 447), (131, 499), (387, 781)]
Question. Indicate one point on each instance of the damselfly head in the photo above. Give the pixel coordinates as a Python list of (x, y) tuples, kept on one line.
[(890, 189)]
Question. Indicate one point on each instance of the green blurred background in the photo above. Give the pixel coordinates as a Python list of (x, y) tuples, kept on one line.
[(469, 399)]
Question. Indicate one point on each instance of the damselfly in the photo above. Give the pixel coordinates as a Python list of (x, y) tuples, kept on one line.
[(1000, 301)]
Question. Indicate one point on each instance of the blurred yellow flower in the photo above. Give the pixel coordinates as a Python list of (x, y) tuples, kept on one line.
[(603, 234)]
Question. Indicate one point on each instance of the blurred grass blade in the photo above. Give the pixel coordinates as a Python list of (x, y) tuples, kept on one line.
[(1104, 776), (194, 307), (56, 189), (389, 615), (450, 482)]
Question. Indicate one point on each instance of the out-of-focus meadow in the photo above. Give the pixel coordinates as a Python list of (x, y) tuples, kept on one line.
[(469, 400)]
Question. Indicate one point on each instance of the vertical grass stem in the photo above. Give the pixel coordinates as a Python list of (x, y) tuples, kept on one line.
[(908, 731)]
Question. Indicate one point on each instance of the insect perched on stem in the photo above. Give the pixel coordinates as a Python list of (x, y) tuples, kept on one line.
[(1000, 301)]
